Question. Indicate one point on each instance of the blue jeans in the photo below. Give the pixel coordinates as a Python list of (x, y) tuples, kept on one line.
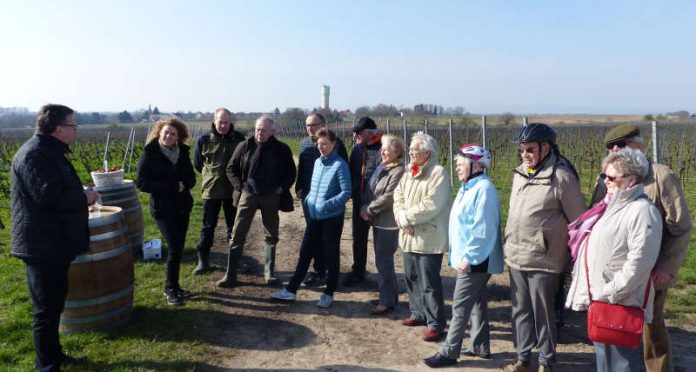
[(48, 286), (616, 358)]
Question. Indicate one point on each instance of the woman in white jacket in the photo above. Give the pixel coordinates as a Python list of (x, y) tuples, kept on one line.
[(621, 252)]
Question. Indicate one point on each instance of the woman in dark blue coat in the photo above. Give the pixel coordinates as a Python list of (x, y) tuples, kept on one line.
[(166, 173)]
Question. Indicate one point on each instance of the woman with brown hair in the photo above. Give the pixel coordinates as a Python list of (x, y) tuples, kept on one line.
[(166, 173)]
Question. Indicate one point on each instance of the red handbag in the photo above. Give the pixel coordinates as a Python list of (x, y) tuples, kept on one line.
[(614, 324)]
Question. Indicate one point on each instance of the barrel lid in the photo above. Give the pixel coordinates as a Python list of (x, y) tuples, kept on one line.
[(125, 185), (107, 216)]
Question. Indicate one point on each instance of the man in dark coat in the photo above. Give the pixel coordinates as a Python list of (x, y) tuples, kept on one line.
[(364, 158), (49, 224), (261, 170), (210, 158), (309, 153)]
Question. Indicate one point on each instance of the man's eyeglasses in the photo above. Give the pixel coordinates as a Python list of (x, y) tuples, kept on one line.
[(621, 144), (528, 150), (614, 178)]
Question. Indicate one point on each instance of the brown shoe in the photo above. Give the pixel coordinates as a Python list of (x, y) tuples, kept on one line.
[(516, 366), (410, 322), (545, 368), (381, 310), (432, 335)]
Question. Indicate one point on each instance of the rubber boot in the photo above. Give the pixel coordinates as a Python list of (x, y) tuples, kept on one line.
[(230, 278), (203, 263), (269, 265)]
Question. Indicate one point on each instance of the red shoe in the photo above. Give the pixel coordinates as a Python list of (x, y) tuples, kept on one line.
[(410, 322), (432, 335)]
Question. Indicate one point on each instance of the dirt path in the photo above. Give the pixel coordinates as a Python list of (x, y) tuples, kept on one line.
[(258, 334)]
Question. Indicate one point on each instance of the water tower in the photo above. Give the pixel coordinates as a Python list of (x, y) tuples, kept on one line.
[(325, 91)]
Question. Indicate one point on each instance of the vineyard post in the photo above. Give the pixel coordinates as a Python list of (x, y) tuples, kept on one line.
[(483, 131), (106, 151), (388, 125), (655, 146), (525, 121), (425, 126), (125, 153), (451, 153), (130, 158), (404, 125)]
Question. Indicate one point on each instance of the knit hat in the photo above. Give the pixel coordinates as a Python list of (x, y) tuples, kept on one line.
[(364, 123), (621, 132)]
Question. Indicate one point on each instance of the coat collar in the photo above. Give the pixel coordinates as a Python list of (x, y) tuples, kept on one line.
[(548, 167)]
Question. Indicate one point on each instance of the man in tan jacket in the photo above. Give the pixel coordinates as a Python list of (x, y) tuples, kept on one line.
[(545, 197), (664, 189)]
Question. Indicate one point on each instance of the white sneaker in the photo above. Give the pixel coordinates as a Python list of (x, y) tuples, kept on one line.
[(283, 295), (325, 301)]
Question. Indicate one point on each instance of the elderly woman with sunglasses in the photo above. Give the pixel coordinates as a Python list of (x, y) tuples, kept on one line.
[(421, 209), (620, 252)]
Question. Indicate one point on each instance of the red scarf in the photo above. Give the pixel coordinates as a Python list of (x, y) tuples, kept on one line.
[(414, 169)]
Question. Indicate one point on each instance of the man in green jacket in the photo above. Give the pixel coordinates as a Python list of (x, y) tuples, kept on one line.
[(210, 157), (663, 188)]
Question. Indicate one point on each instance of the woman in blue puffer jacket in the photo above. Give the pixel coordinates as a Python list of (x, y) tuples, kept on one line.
[(325, 204)]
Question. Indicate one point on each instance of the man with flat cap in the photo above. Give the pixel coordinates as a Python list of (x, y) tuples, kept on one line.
[(664, 189), (364, 158)]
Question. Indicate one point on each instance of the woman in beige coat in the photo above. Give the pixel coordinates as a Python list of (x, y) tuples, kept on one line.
[(421, 208)]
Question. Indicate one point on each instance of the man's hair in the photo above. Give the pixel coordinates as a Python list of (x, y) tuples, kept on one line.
[(328, 133), (322, 119), (222, 109), (51, 116), (181, 130), (266, 118)]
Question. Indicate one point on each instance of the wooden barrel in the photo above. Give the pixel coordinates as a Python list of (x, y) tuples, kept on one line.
[(100, 281), (125, 196)]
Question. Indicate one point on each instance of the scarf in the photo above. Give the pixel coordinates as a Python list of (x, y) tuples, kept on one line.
[(171, 153), (580, 229), (414, 169)]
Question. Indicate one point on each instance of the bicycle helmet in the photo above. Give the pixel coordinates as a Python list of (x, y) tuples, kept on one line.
[(477, 154), (537, 132)]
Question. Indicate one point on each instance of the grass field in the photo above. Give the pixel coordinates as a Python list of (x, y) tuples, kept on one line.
[(161, 337)]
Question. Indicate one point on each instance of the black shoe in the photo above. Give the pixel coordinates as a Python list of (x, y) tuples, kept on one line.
[(470, 353), (226, 282), (438, 360), (352, 279), (172, 298), (67, 359), (313, 278), (182, 293), (203, 264)]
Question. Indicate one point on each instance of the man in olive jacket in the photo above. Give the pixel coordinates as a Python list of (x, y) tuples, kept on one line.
[(211, 155), (664, 190), (49, 224), (261, 169)]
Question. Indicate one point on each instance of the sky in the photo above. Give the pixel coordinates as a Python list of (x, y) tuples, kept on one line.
[(488, 56)]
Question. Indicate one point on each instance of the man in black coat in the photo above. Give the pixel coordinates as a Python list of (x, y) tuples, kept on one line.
[(49, 224), (262, 170), (364, 158)]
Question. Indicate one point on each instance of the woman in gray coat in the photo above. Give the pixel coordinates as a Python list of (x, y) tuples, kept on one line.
[(378, 208)]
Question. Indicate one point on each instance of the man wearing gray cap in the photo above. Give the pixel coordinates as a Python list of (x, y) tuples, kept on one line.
[(664, 189), (363, 161)]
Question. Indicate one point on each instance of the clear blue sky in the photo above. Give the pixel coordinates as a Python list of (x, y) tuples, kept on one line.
[(488, 56)]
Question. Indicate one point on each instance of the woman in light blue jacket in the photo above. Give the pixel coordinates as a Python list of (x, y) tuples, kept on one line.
[(476, 252), (325, 204)]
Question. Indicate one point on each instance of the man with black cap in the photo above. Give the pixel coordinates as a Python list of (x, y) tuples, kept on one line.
[(664, 189), (364, 158)]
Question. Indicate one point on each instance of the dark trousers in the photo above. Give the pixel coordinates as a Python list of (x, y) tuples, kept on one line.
[(211, 211), (48, 286), (174, 230), (424, 285), (318, 264), (361, 229), (322, 237)]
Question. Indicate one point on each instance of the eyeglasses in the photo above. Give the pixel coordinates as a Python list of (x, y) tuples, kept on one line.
[(528, 150), (74, 126), (615, 178), (621, 144), (414, 151)]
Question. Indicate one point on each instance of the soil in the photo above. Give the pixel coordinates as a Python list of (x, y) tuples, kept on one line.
[(256, 333)]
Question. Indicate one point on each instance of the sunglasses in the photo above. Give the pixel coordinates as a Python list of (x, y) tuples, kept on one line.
[(621, 144), (528, 150), (614, 178)]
